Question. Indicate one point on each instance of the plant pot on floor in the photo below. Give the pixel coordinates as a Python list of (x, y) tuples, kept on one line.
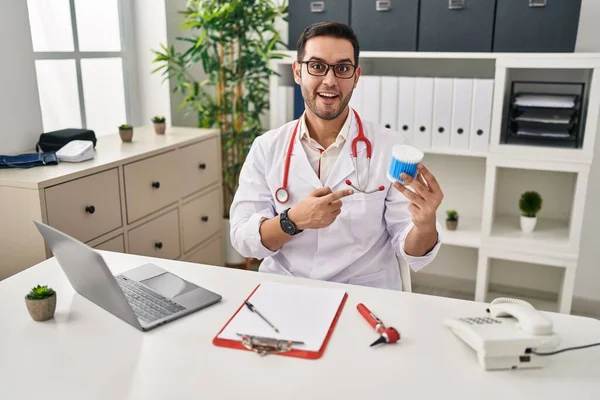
[(41, 309), (232, 257), (528, 223)]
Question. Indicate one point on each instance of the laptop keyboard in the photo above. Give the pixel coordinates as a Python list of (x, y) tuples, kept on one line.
[(147, 305)]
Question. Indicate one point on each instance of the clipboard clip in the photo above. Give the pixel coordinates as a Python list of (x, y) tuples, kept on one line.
[(266, 345)]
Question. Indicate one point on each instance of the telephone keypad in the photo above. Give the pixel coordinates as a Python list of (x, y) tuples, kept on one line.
[(480, 320)]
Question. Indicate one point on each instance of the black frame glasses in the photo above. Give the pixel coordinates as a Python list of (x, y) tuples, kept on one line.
[(334, 66)]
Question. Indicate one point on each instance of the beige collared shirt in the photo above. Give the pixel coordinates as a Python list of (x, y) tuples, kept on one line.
[(322, 160)]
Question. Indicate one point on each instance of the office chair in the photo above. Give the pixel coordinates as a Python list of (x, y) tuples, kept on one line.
[(404, 274)]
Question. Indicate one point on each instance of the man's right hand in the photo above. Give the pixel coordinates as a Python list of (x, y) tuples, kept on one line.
[(319, 209)]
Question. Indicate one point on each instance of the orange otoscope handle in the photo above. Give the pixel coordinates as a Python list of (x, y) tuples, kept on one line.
[(375, 322)]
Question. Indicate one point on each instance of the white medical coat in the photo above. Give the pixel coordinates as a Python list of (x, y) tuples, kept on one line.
[(361, 245)]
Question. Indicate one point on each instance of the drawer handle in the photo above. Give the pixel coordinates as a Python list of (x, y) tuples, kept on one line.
[(202, 166), (537, 3), (456, 4), (158, 245), (156, 184), (90, 209), (383, 5), (317, 6), (460, 131), (204, 218)]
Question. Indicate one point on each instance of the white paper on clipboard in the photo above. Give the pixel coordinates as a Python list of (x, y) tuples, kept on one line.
[(301, 313)]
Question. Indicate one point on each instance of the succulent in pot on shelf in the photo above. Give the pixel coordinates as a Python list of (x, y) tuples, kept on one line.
[(126, 132), (530, 205), (160, 125), (451, 220), (41, 303)]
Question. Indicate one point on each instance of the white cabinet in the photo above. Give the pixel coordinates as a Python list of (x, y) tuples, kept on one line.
[(483, 176), (159, 195)]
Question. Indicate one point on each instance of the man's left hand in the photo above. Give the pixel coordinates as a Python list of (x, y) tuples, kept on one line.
[(425, 199)]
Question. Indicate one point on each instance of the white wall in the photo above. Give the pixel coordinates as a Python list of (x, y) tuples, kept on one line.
[(19, 102), (150, 30), (174, 20)]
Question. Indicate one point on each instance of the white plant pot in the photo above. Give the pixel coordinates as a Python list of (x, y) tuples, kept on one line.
[(528, 224), (232, 257)]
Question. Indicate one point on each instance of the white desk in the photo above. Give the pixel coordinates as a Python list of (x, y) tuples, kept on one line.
[(86, 353)]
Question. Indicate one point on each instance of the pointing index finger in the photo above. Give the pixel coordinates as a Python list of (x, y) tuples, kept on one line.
[(331, 197)]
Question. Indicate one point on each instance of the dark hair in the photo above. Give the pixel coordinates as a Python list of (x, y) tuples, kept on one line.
[(332, 29)]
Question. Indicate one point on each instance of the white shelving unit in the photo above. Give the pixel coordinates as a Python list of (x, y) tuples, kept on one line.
[(485, 186)]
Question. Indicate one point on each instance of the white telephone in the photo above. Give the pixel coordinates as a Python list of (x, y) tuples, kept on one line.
[(508, 336)]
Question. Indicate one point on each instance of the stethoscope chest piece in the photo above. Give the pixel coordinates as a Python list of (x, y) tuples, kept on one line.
[(282, 195)]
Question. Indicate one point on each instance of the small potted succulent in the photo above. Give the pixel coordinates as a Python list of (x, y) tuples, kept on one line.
[(159, 124), (451, 220), (126, 132), (530, 204), (41, 303)]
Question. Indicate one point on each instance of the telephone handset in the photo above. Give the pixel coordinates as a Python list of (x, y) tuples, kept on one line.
[(506, 336), (530, 320)]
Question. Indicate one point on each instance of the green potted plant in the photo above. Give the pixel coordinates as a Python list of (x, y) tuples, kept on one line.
[(235, 42), (451, 220), (530, 204), (126, 132), (41, 303), (159, 124)]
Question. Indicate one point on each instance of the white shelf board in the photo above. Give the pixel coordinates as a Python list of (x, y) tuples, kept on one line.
[(510, 57), (467, 234), (455, 152), (539, 304), (549, 237)]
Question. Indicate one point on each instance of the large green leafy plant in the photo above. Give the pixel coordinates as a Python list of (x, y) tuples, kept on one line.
[(234, 41)]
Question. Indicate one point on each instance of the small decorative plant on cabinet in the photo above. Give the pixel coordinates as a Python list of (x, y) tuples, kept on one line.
[(126, 132), (529, 204), (41, 303), (160, 125), (451, 220)]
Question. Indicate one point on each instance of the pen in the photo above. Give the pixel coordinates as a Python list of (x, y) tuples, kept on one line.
[(254, 310)]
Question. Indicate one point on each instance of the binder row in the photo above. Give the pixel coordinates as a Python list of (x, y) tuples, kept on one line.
[(432, 113)]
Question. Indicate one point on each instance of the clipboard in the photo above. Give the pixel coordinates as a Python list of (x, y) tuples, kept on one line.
[(282, 345)]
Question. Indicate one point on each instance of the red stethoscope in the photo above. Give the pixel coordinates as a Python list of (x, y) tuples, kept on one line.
[(283, 196)]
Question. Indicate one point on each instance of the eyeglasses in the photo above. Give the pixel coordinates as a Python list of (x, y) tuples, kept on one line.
[(319, 68)]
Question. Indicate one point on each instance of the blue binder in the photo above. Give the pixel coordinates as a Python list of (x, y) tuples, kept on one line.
[(298, 102)]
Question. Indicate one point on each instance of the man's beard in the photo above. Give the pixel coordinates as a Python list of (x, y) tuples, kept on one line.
[(326, 114)]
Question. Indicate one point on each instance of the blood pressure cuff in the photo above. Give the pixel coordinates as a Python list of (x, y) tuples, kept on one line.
[(53, 141), (28, 160)]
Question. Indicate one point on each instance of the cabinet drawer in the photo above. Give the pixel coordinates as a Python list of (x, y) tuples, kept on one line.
[(199, 165), (151, 184), (116, 244), (307, 12), (201, 218), (157, 238), (85, 208), (456, 25), (536, 25), (209, 254), (386, 25)]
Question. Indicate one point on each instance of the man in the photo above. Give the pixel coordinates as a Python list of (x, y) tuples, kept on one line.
[(295, 206)]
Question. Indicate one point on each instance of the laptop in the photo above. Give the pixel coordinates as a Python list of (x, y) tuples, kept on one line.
[(145, 297)]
